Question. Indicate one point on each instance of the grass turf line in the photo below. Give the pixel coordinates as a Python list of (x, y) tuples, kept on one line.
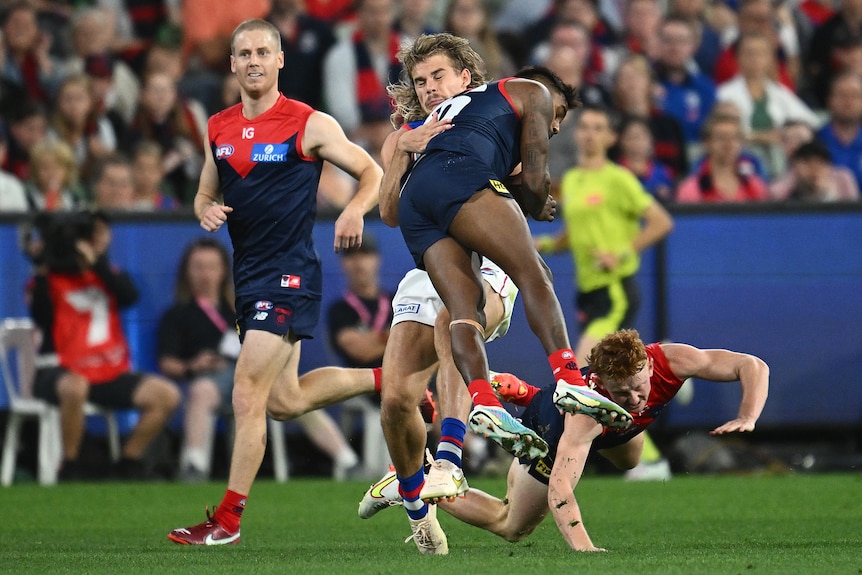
[(689, 525)]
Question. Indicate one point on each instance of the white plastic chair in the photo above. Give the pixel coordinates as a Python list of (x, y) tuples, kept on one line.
[(18, 363), (375, 454)]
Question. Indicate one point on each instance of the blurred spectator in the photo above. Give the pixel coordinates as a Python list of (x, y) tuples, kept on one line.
[(331, 10), (198, 346), (719, 178), (76, 304), (761, 17), (793, 134), (27, 127), (13, 198), (828, 39), (633, 90), (585, 12), (764, 104), (96, 47), (165, 59), (808, 15), (569, 64), (576, 36), (842, 134), (707, 40), (100, 72), (25, 58), (358, 323), (77, 122), (113, 184), (358, 69), (305, 42), (207, 26), (414, 20), (684, 92), (642, 19), (636, 152), (813, 178), (748, 162), (147, 172), (54, 183), (178, 126), (469, 19)]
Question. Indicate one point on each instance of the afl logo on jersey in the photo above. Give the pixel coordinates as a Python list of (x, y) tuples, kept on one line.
[(224, 151), (269, 153), (263, 305)]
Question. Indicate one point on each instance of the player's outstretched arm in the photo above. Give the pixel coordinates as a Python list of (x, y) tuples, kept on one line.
[(208, 207), (324, 139), (723, 365), (572, 452)]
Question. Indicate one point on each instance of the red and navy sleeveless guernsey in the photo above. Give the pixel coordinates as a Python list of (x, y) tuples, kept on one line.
[(271, 186), (543, 416), (485, 125)]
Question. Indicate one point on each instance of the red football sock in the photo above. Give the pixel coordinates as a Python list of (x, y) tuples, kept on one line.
[(230, 511), (482, 393), (565, 366), (378, 378)]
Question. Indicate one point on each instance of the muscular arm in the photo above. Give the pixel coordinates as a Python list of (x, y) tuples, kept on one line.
[(208, 207), (324, 139), (536, 107), (394, 166), (395, 154), (572, 452), (723, 365)]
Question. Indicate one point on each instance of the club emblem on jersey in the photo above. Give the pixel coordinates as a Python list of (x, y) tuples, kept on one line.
[(224, 151), (293, 282), (269, 152), (263, 305)]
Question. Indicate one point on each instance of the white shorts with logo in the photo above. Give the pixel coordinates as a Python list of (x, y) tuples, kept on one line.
[(417, 300)]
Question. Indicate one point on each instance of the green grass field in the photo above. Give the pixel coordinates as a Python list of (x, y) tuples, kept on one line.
[(794, 524)]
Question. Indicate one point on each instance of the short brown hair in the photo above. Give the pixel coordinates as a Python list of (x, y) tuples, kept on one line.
[(618, 355)]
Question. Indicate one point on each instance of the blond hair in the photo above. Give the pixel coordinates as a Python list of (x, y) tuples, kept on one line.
[(255, 24), (407, 105), (618, 356), (60, 152)]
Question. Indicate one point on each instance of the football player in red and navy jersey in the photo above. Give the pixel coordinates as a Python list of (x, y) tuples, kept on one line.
[(643, 379), (261, 178)]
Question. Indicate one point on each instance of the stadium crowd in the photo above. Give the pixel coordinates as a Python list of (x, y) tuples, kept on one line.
[(103, 103)]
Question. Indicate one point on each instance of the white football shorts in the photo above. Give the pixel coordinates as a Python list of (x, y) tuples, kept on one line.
[(417, 300)]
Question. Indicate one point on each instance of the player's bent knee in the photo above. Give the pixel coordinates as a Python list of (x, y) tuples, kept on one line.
[(281, 410)]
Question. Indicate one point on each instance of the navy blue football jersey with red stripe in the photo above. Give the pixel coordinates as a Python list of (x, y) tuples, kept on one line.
[(485, 125), (272, 187)]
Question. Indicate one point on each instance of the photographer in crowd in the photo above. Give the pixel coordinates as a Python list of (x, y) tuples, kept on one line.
[(75, 297)]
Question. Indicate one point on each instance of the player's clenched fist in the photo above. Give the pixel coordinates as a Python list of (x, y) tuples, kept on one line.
[(214, 217)]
